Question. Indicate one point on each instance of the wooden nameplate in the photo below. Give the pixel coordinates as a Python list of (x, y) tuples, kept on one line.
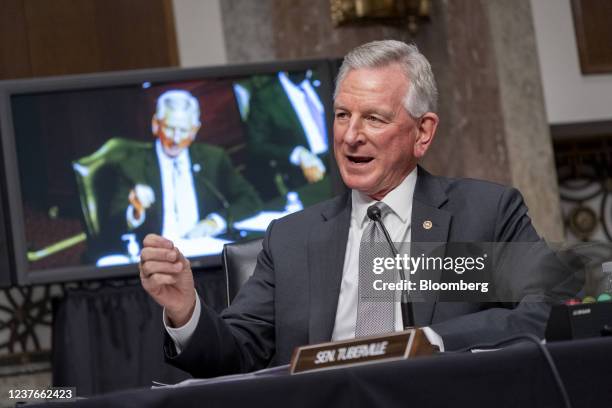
[(364, 350)]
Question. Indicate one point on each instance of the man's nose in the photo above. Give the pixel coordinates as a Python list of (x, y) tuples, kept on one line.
[(354, 133)]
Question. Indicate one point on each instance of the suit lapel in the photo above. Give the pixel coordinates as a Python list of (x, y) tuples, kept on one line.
[(430, 224), (200, 181), (153, 177), (326, 250)]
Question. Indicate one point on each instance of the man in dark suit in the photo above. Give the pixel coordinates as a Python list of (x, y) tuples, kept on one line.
[(306, 286), (175, 187), (285, 121)]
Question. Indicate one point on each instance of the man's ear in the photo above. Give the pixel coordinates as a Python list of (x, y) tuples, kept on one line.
[(426, 131), (154, 126), (194, 132)]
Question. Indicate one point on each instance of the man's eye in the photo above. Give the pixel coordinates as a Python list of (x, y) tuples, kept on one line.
[(341, 115), (373, 119)]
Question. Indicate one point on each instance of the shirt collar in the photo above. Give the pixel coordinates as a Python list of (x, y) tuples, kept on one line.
[(399, 200)]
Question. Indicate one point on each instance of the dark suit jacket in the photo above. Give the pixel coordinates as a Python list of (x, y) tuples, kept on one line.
[(274, 130), (219, 188), (291, 299)]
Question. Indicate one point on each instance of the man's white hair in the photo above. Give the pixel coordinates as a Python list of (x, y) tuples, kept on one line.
[(422, 95), (178, 100)]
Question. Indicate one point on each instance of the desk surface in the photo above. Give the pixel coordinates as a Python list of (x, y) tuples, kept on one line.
[(513, 377)]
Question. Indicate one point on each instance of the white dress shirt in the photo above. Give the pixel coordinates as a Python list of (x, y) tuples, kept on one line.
[(397, 222), (180, 203)]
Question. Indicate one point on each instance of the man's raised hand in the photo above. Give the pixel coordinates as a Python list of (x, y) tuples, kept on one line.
[(166, 275)]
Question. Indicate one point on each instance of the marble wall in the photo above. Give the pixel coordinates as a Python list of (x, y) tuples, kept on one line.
[(526, 130), (493, 122)]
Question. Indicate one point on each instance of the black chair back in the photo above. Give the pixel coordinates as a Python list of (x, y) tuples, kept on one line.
[(239, 260)]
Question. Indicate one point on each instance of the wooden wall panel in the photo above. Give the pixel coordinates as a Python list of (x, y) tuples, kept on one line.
[(593, 24), (14, 48), (59, 37), (135, 34), (62, 36)]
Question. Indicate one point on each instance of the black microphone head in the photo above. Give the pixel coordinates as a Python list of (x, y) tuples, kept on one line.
[(374, 212)]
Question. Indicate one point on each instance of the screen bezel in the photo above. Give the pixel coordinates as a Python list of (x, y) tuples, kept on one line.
[(326, 70)]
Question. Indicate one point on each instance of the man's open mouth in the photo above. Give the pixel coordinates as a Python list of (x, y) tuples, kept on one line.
[(360, 159)]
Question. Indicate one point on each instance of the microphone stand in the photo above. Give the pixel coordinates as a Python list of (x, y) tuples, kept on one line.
[(406, 306), (226, 206)]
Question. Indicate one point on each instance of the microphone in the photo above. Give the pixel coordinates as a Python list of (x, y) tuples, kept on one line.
[(221, 197), (375, 215)]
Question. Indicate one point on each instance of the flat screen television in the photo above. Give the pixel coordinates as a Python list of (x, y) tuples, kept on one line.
[(204, 156)]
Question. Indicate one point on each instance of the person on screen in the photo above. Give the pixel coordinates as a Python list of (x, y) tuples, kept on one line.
[(306, 286), (285, 121), (178, 188)]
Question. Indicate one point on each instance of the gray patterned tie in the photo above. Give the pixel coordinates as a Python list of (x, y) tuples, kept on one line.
[(375, 308)]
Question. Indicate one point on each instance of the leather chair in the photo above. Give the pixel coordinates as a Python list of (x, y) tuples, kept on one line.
[(93, 187), (239, 260)]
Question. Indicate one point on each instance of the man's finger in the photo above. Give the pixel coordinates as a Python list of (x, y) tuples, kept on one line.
[(183, 260), (154, 240), (159, 279), (153, 267), (158, 254), (156, 282), (312, 174), (133, 199)]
